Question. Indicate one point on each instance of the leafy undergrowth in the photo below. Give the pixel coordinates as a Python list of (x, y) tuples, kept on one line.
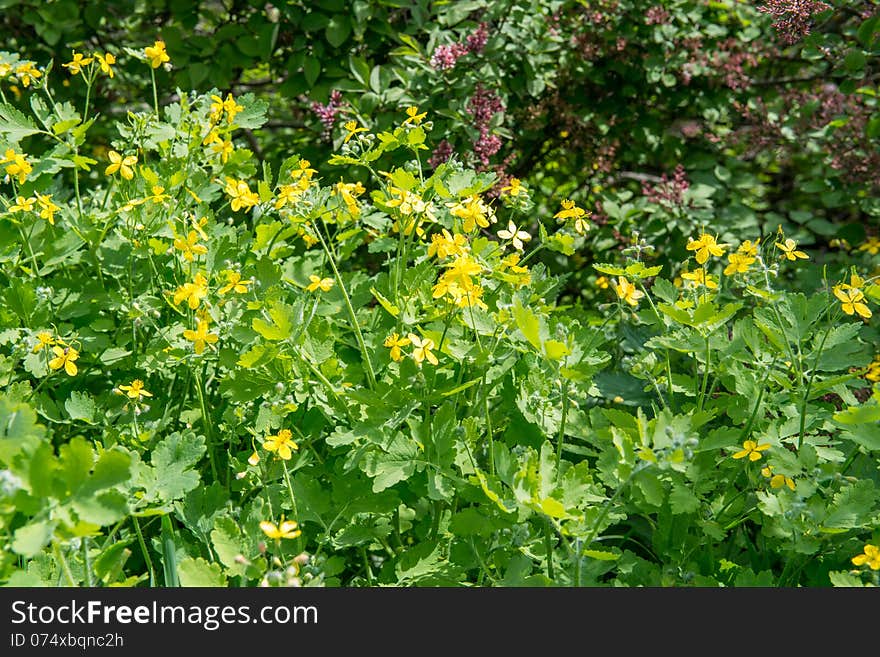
[(222, 376)]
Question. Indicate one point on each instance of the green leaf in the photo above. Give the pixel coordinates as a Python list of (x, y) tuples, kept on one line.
[(682, 500), (853, 507), (171, 474), (528, 323), (198, 572), (601, 555), (15, 125), (30, 539), (394, 464), (863, 414), (390, 308), (282, 322), (80, 406), (338, 30), (609, 269)]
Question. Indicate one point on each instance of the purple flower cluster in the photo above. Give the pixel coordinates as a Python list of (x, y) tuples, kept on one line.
[(445, 56), (793, 17), (441, 154), (327, 113), (668, 192), (657, 15), (482, 106)]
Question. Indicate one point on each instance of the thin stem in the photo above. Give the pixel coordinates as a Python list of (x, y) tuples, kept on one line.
[(144, 551), (371, 376), (298, 540), (155, 94), (707, 369), (206, 422), (87, 566), (560, 440), (65, 567)]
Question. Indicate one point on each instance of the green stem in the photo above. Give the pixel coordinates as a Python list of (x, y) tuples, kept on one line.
[(668, 364), (65, 567), (87, 565), (155, 93), (144, 551), (560, 441), (548, 547), (803, 421), (489, 431), (26, 240), (206, 422), (293, 509), (704, 385), (371, 376)]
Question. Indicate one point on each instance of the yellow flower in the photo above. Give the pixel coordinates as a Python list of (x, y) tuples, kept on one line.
[(514, 188), (241, 194), (789, 250), (627, 291), (873, 373), (870, 557), (26, 73), (231, 108), (213, 134), (193, 292), (224, 149), (395, 342), (75, 66), (752, 450), (739, 263), (200, 337), (871, 245), (473, 212), (234, 283), (515, 235), (352, 128), (699, 277), (135, 390), (156, 54), (121, 164), (317, 282), (602, 282), (570, 211), (422, 349), (44, 339), (17, 165), (303, 171), (106, 62), (407, 202), (777, 480), (349, 193), (254, 459), (190, 246), (413, 115), (445, 244), (23, 204), (705, 246), (282, 443), (749, 248), (285, 529), (47, 207), (852, 300), (64, 357)]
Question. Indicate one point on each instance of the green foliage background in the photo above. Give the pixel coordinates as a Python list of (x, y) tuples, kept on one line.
[(565, 438)]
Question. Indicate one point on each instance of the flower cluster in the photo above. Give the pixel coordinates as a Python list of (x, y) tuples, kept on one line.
[(327, 113), (482, 106), (669, 192), (445, 56), (793, 18)]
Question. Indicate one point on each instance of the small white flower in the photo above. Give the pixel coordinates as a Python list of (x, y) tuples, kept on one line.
[(514, 234)]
